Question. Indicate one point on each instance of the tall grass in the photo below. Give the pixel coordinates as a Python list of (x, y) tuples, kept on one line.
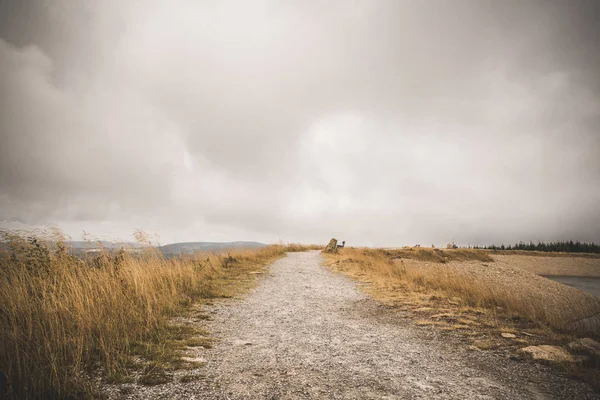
[(296, 247), (477, 284), (63, 318), (501, 297), (432, 255)]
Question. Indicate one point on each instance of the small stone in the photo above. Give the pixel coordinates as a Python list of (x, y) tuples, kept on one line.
[(194, 359), (455, 301), (547, 353), (508, 335)]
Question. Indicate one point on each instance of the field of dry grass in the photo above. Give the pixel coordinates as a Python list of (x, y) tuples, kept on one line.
[(432, 255), (473, 277), (464, 292), (64, 320)]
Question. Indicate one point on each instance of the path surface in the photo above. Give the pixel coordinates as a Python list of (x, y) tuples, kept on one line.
[(306, 332)]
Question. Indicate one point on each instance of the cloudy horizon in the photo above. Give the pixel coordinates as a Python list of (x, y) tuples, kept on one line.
[(380, 123)]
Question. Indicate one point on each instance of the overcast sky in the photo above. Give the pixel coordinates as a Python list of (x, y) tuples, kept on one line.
[(379, 122)]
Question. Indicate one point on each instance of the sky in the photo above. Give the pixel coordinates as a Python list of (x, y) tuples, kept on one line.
[(381, 123)]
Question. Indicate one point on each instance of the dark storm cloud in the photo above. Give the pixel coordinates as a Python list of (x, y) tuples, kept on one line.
[(380, 122)]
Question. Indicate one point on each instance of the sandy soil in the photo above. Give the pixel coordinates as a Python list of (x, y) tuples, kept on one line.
[(306, 332), (559, 266)]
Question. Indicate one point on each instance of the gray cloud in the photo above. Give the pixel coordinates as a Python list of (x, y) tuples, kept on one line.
[(383, 123)]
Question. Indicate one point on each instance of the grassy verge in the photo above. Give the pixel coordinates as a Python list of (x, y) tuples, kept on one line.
[(64, 319), (469, 275), (425, 254), (490, 306)]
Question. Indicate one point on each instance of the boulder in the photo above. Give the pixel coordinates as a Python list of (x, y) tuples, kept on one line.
[(194, 359), (547, 353), (331, 247), (586, 347), (507, 335)]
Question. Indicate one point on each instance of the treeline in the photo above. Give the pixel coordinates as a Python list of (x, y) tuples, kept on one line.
[(558, 246)]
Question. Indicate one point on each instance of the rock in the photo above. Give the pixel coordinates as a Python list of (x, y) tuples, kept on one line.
[(508, 335), (587, 347), (455, 301), (547, 353), (241, 343), (331, 247), (194, 359)]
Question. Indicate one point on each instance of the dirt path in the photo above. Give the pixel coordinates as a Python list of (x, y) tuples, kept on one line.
[(306, 332)]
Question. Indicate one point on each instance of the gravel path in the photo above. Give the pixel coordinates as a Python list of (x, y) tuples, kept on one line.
[(306, 333)]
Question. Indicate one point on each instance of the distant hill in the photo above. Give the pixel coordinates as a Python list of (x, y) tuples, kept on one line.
[(194, 247), (85, 245)]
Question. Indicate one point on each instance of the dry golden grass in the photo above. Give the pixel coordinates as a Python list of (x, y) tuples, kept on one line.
[(431, 255), (296, 247), (387, 268), (472, 298), (63, 318), (415, 274)]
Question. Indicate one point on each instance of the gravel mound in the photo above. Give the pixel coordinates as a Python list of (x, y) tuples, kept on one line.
[(548, 265), (566, 307), (306, 332)]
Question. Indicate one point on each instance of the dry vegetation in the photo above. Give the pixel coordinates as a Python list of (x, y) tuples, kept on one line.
[(64, 320), (433, 255), (464, 292), (296, 247), (542, 264), (473, 277)]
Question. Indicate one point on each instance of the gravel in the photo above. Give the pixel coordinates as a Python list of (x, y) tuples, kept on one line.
[(306, 332), (559, 266), (567, 307)]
